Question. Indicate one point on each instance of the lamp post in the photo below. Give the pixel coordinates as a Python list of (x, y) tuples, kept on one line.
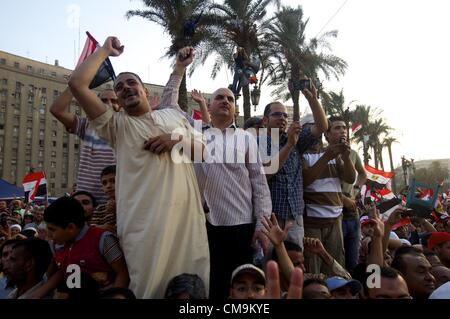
[(255, 95)]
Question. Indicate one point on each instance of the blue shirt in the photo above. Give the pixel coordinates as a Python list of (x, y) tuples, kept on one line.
[(286, 186)]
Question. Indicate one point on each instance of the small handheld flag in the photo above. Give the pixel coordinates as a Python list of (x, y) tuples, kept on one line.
[(105, 72)]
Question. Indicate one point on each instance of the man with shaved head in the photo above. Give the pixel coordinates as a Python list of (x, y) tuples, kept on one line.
[(234, 191), (160, 221)]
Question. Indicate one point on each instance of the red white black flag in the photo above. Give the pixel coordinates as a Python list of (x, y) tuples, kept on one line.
[(376, 178), (34, 184), (105, 72)]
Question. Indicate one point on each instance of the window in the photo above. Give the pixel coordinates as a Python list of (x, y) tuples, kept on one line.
[(3, 93), (44, 90), (53, 74), (53, 154), (2, 61), (15, 131), (53, 164), (41, 71), (42, 110), (29, 131), (16, 65), (29, 68), (64, 145), (41, 153), (55, 93), (43, 100), (54, 133), (54, 143), (41, 133), (75, 146), (5, 81), (41, 142), (52, 174), (52, 185), (41, 164)]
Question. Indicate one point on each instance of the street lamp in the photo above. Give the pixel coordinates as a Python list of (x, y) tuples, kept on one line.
[(255, 95)]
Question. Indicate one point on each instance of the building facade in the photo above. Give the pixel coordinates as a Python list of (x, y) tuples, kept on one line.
[(30, 137)]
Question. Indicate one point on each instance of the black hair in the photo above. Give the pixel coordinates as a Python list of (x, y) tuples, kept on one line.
[(398, 262), (289, 247), (112, 292), (268, 107), (38, 250), (111, 169), (385, 272), (311, 281), (63, 211), (332, 119), (89, 288), (134, 74), (9, 242), (94, 201), (190, 283)]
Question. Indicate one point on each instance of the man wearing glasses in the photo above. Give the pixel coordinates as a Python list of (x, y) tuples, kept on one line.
[(286, 184)]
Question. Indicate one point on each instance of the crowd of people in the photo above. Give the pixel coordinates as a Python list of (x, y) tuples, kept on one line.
[(166, 207)]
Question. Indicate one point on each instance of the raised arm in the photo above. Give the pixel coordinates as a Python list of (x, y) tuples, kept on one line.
[(282, 156), (60, 109), (277, 236), (83, 75), (198, 97), (169, 97), (320, 119)]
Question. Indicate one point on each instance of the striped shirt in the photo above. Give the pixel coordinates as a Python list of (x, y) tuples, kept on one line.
[(102, 216), (234, 193), (323, 197), (95, 155)]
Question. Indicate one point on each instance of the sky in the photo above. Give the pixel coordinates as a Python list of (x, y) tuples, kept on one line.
[(397, 52)]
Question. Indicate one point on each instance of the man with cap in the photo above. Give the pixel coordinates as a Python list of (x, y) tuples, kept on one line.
[(247, 282), (341, 288), (439, 242), (15, 229)]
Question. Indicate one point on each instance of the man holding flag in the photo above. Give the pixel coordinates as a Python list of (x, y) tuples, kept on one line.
[(160, 219), (95, 153)]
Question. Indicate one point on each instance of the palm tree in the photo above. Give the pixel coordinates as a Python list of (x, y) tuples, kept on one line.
[(388, 140), (376, 130), (334, 105), (173, 16), (364, 115), (295, 57), (240, 23)]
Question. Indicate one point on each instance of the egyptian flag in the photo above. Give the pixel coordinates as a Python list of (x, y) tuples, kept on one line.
[(385, 193), (106, 72), (378, 179), (34, 184), (356, 127)]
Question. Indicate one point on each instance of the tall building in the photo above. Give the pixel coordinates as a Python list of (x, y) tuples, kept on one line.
[(30, 137)]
